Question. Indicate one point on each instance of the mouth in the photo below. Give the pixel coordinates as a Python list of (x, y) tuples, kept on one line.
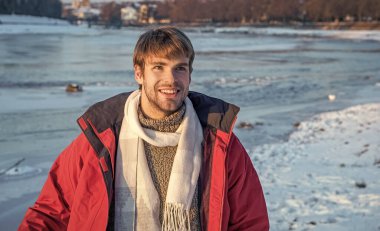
[(169, 92)]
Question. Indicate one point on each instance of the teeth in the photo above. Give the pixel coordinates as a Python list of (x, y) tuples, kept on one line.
[(169, 91)]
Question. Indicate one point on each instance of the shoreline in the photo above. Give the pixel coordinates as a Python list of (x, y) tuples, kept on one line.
[(371, 26), (335, 25)]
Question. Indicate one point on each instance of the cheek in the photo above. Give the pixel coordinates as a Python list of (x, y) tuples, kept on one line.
[(188, 81), (185, 80)]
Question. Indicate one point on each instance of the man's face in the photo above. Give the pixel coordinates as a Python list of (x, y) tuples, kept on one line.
[(165, 85)]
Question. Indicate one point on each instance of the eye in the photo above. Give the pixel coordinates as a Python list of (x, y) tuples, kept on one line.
[(158, 67), (181, 68)]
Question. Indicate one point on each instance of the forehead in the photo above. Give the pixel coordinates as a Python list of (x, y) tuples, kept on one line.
[(152, 59)]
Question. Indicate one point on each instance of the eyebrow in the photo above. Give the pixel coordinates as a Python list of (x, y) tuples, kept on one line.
[(164, 64), (159, 63), (182, 64)]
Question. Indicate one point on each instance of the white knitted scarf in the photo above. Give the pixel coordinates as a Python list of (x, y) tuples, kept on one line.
[(137, 204)]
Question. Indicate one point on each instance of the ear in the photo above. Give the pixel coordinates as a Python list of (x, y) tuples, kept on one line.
[(138, 74)]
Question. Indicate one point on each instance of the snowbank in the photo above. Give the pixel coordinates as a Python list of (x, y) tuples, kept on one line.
[(15, 24), (21, 24), (358, 35), (340, 34), (30, 20), (326, 176)]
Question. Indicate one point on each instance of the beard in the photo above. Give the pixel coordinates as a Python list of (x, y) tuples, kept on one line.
[(159, 103)]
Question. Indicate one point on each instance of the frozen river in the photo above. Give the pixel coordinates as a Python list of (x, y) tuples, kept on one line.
[(277, 76)]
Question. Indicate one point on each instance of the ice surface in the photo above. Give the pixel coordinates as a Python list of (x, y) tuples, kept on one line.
[(322, 175), (20, 171)]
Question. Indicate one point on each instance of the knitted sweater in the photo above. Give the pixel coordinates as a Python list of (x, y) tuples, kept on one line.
[(160, 161)]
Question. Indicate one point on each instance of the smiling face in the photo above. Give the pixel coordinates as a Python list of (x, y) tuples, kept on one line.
[(165, 85)]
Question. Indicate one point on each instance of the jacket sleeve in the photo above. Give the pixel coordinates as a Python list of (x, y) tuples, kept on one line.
[(51, 211), (245, 195)]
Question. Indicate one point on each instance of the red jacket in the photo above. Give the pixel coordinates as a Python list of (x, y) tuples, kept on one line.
[(79, 190)]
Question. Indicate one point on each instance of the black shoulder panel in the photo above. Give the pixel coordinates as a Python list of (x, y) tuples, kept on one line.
[(214, 112), (108, 113)]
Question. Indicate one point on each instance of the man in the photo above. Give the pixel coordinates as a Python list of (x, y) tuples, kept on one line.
[(159, 158)]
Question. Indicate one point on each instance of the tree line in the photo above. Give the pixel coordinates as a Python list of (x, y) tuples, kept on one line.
[(46, 8), (253, 11), (224, 11)]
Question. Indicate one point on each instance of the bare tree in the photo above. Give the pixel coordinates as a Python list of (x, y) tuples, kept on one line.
[(265, 10), (48, 8), (283, 10), (111, 15)]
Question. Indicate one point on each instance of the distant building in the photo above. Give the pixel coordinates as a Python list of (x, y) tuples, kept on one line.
[(79, 11), (85, 13), (147, 12), (129, 15), (80, 3), (132, 12), (144, 13), (137, 13), (349, 18)]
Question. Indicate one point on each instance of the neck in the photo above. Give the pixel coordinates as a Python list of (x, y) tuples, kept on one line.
[(169, 123)]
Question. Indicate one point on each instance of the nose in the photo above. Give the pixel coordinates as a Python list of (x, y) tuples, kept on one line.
[(171, 77)]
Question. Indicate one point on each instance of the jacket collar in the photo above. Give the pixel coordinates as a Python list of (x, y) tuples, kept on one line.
[(212, 112)]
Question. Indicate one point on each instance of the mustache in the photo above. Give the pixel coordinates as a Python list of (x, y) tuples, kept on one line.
[(170, 85)]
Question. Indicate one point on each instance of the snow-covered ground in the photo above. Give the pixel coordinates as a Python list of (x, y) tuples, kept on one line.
[(341, 34), (327, 175), (15, 24), (21, 24), (30, 20)]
